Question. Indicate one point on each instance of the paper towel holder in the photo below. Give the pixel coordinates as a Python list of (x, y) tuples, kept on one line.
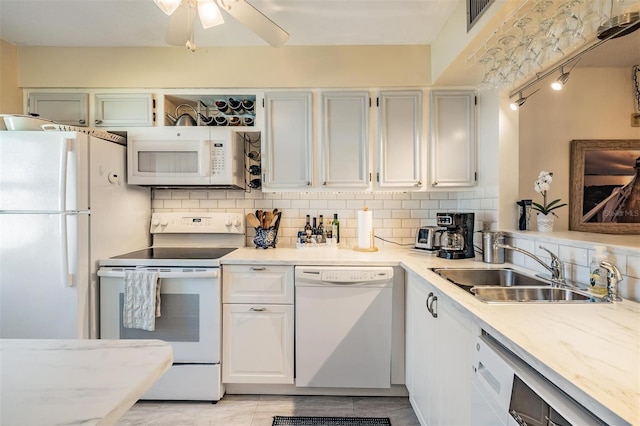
[(372, 247)]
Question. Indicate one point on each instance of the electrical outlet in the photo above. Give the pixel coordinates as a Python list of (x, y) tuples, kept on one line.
[(635, 120)]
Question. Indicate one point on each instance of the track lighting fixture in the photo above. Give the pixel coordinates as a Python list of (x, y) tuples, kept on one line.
[(561, 81), (515, 105)]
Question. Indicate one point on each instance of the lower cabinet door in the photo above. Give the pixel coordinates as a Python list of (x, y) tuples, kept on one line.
[(257, 343)]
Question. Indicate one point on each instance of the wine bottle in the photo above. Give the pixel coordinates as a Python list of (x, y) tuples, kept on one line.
[(335, 225)]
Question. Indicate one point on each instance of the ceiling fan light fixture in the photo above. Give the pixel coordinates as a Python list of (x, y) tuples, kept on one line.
[(168, 6), (209, 14)]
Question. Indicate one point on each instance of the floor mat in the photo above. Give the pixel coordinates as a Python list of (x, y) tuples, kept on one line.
[(330, 421)]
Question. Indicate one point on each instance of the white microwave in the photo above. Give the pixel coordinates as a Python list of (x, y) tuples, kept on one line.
[(197, 156)]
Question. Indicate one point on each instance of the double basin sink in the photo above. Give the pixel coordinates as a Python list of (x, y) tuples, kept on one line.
[(509, 286)]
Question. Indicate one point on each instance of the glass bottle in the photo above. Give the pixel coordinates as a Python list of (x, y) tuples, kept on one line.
[(321, 232), (307, 227), (335, 225)]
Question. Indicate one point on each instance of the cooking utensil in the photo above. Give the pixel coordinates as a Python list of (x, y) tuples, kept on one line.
[(253, 220), (268, 218), (17, 122), (184, 119)]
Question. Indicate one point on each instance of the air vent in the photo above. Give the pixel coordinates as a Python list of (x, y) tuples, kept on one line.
[(475, 9)]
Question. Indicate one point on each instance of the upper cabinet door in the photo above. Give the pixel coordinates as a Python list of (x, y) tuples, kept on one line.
[(399, 147), (345, 140), (453, 139), (287, 150), (124, 109), (64, 108)]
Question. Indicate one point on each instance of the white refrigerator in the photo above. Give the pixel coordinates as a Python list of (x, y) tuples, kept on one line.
[(64, 205)]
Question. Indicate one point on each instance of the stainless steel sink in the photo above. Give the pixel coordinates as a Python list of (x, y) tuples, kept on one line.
[(504, 285), (531, 294), (503, 277)]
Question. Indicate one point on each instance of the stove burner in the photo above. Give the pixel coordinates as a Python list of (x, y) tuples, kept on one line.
[(164, 253)]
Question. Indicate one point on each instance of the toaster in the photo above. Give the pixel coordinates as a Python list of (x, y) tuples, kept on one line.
[(428, 237)]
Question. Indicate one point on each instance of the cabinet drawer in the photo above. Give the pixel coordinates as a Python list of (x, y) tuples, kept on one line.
[(257, 284)]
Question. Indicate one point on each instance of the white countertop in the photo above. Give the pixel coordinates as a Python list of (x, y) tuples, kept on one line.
[(591, 351), (76, 382)]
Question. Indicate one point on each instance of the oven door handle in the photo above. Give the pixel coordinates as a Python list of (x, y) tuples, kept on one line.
[(119, 273)]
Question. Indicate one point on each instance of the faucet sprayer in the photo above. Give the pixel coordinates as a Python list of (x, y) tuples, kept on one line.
[(613, 278)]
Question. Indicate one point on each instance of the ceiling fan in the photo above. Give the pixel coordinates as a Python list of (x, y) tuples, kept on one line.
[(183, 15)]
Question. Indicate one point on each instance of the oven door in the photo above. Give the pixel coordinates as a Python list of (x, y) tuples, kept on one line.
[(190, 312), (169, 162)]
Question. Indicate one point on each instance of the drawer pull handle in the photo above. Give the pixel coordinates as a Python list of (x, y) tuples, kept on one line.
[(258, 309), (257, 268)]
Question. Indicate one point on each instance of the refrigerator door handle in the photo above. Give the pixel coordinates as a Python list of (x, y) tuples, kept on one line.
[(69, 189), (69, 248)]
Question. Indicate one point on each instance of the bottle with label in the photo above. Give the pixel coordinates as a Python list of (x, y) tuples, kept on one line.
[(322, 236), (597, 276), (335, 228), (307, 227)]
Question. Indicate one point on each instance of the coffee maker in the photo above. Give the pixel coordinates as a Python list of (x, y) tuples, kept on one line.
[(457, 240)]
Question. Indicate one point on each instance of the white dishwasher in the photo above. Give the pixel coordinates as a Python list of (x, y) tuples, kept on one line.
[(343, 326)]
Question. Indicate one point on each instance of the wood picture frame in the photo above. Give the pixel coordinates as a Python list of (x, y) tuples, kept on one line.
[(605, 187)]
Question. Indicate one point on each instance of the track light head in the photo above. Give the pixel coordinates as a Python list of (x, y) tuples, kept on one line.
[(561, 81), (515, 105)]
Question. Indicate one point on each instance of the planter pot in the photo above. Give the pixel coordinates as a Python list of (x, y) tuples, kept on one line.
[(545, 222)]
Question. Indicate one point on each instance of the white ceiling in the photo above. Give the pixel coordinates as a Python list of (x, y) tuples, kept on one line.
[(138, 23), (141, 23)]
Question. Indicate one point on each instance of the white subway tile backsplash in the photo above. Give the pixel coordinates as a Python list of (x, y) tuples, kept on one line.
[(633, 266), (190, 204), (172, 204), (161, 194), (227, 204), (575, 255), (400, 214), (439, 195)]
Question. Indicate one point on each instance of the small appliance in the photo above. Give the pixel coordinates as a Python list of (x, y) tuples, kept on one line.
[(187, 156), (429, 237), (457, 241)]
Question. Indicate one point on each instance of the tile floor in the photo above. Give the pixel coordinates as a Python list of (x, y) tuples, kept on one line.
[(258, 410)]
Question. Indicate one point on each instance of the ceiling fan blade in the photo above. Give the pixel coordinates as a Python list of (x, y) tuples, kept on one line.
[(181, 25), (256, 21)]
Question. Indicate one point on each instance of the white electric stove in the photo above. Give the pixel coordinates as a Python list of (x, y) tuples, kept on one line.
[(186, 253)]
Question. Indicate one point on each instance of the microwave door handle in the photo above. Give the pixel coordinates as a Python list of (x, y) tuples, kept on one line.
[(206, 160)]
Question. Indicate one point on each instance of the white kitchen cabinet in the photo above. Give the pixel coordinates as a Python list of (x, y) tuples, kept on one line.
[(345, 140), (452, 141), (438, 356), (257, 324), (288, 141), (124, 109), (399, 141), (64, 108)]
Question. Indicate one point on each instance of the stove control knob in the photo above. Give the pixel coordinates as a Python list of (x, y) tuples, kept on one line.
[(228, 222), (237, 222), (155, 221), (164, 221)]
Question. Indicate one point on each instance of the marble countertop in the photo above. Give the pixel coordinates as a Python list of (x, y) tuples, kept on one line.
[(76, 382), (591, 351)]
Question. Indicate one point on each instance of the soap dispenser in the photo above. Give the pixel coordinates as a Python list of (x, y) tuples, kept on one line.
[(597, 276)]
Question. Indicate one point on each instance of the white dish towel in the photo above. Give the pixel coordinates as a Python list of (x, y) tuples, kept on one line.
[(141, 299)]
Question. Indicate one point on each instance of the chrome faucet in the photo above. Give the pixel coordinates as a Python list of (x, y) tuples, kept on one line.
[(556, 267), (613, 278)]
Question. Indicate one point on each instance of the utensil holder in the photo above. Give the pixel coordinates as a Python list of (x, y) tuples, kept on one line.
[(489, 253), (267, 237)]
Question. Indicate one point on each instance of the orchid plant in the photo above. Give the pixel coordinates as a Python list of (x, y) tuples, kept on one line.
[(542, 185)]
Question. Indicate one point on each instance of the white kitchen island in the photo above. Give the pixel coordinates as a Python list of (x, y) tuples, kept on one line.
[(80, 382)]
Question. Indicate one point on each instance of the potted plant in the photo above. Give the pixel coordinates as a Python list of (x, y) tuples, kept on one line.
[(545, 216)]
